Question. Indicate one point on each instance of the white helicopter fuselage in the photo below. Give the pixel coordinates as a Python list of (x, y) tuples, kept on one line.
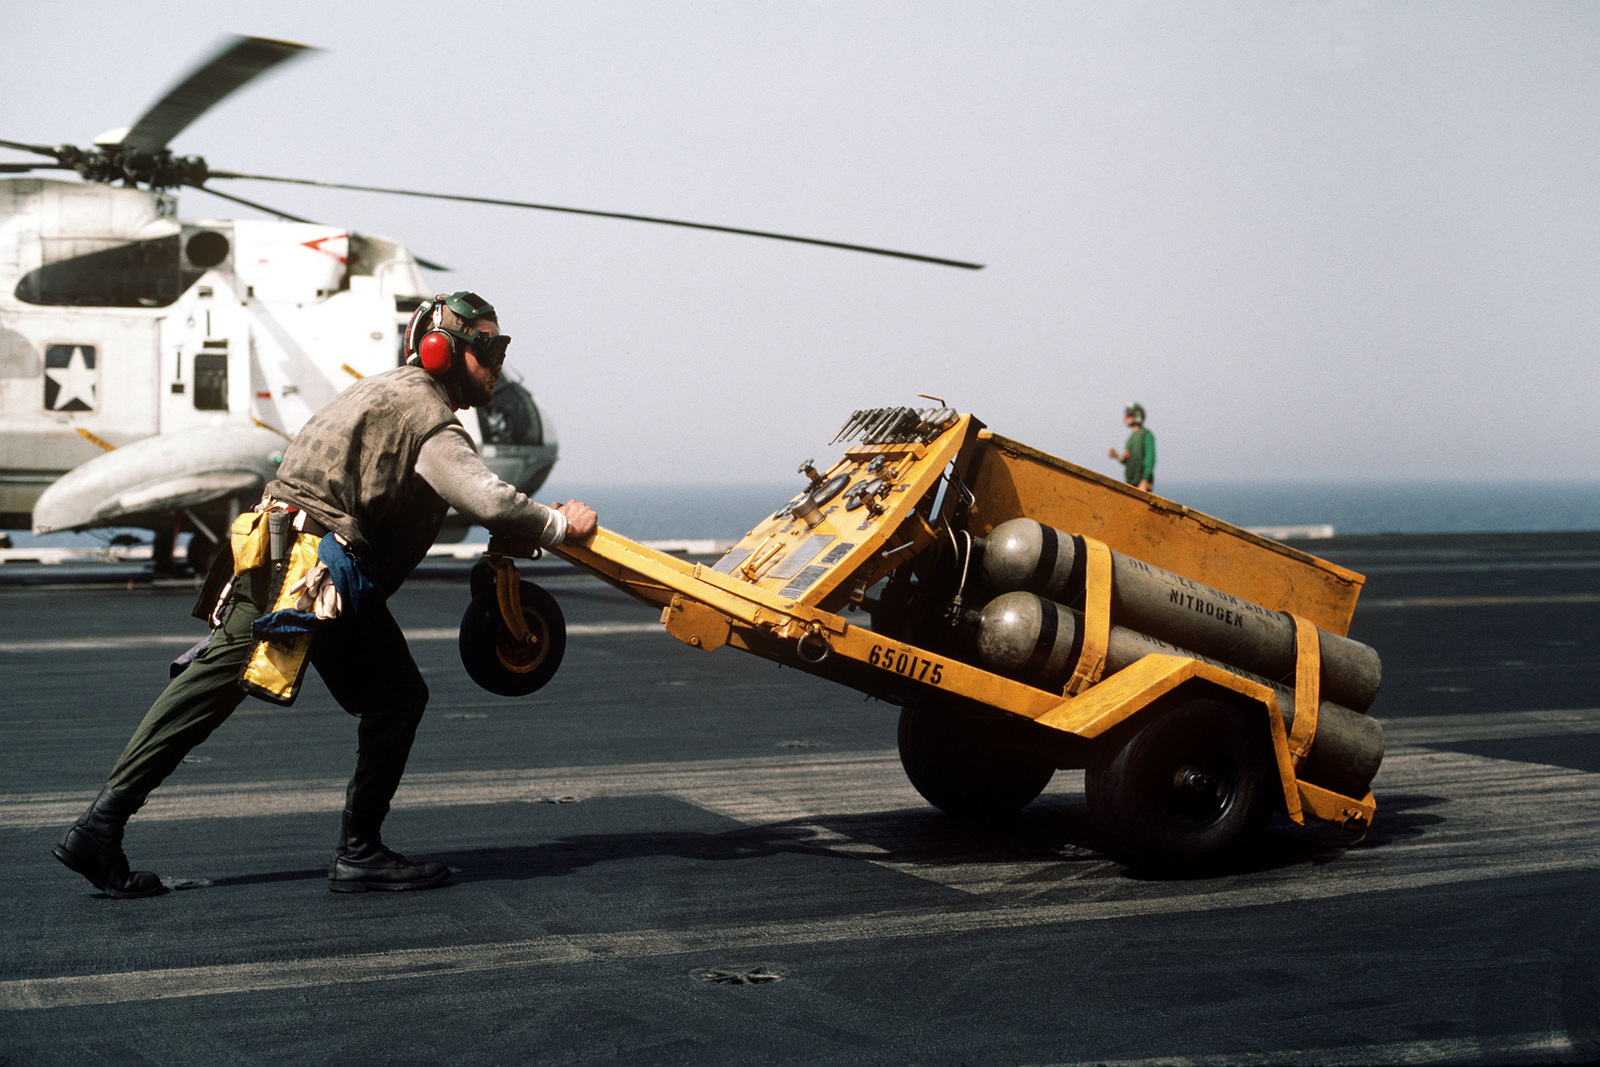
[(120, 324)]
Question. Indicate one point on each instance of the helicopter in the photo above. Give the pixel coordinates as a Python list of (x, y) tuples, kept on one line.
[(152, 368)]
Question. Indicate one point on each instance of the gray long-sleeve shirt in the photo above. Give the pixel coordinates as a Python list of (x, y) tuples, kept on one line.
[(449, 462)]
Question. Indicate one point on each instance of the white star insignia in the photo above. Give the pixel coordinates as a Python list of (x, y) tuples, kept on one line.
[(75, 381)]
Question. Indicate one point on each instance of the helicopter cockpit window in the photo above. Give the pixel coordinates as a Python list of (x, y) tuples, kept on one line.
[(136, 274), (510, 417), (210, 382)]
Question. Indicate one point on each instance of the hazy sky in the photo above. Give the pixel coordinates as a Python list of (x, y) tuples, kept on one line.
[(1322, 239)]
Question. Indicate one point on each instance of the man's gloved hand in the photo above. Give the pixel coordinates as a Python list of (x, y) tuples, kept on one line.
[(318, 594)]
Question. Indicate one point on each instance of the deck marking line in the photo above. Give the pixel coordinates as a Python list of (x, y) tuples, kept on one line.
[(752, 790), (27, 994), (729, 777)]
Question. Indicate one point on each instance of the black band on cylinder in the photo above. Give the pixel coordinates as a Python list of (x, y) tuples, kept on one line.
[(1049, 623), (1049, 547)]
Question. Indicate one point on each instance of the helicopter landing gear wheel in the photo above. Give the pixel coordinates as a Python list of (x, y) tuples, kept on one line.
[(968, 764), (494, 656), (1184, 791), (202, 553)]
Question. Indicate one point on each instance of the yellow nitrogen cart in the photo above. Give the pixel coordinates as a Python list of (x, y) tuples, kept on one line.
[(872, 576)]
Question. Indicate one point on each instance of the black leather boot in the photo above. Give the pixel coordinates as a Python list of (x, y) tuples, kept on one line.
[(93, 848), (363, 863)]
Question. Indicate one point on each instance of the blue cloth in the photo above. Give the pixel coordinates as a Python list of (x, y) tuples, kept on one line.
[(355, 591)]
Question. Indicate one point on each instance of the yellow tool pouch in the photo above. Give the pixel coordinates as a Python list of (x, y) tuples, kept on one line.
[(276, 666), (248, 539)]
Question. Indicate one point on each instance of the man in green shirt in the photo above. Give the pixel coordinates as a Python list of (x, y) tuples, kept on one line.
[(1139, 456)]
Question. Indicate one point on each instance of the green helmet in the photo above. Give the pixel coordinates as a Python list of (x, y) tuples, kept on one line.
[(1134, 411), (470, 306)]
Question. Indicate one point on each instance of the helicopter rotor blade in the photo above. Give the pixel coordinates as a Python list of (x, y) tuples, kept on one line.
[(606, 215), (24, 168), (238, 61), (251, 203), (430, 264), (36, 149)]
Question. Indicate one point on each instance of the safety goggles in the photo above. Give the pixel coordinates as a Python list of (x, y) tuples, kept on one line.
[(490, 351)]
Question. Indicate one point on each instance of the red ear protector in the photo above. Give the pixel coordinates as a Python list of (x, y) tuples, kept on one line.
[(418, 329), (436, 352)]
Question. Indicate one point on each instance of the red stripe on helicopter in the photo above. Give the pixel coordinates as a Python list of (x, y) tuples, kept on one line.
[(316, 245)]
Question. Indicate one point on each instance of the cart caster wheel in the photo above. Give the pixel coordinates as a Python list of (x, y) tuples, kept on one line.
[(1185, 791), (496, 660), (969, 765)]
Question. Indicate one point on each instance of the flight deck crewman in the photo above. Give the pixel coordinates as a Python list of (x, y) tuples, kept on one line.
[(360, 496), (1138, 457)]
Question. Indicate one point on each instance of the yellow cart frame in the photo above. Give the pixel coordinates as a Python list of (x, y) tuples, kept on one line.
[(784, 590)]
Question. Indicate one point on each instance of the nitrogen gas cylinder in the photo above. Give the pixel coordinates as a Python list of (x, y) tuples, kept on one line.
[(1036, 640), (1022, 554)]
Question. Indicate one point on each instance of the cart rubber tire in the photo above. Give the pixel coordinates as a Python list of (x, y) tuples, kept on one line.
[(494, 661), (1186, 788), (969, 765)]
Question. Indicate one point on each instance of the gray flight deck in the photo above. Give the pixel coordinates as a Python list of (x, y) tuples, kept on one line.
[(660, 818)]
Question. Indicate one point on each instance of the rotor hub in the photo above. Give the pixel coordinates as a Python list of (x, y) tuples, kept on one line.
[(114, 163)]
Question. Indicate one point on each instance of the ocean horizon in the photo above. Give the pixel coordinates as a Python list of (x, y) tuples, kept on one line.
[(650, 511), (656, 511)]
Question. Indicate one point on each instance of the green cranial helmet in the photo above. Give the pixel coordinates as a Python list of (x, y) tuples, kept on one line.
[(470, 306), (1134, 411)]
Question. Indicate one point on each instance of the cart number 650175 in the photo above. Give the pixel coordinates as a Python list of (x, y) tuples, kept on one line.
[(902, 662)]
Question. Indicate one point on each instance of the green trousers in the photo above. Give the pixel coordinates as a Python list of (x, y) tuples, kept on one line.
[(363, 661)]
